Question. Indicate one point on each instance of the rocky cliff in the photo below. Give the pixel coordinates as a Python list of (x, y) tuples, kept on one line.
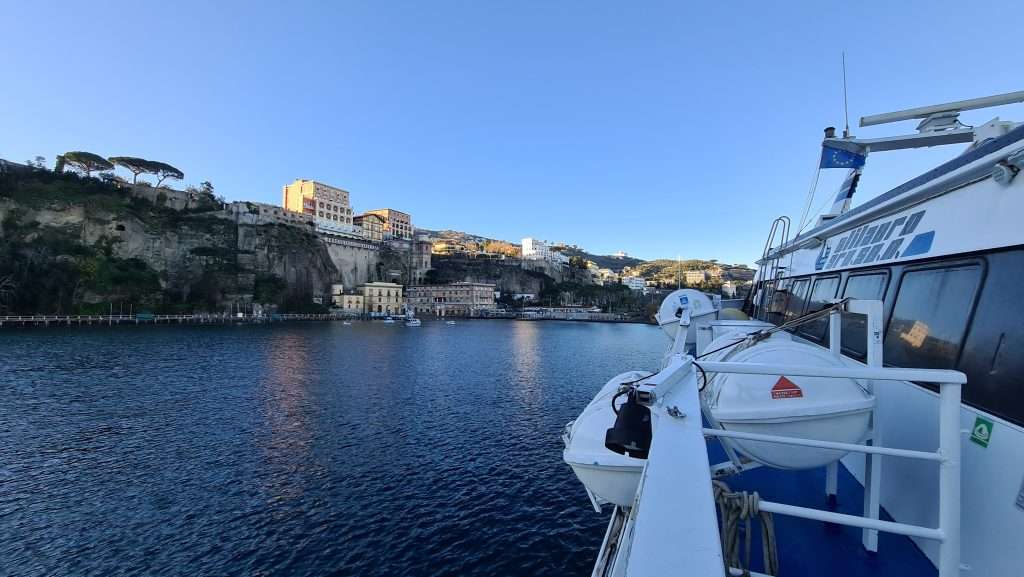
[(70, 244)]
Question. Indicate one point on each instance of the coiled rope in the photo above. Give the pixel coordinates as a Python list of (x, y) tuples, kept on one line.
[(734, 508)]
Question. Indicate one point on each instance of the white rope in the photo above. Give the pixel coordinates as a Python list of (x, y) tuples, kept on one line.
[(817, 211), (812, 191), (734, 508)]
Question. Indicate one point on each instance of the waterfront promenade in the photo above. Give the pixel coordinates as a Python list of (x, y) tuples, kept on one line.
[(148, 319), (225, 318)]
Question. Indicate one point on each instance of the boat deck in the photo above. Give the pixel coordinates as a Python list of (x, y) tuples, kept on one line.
[(812, 548)]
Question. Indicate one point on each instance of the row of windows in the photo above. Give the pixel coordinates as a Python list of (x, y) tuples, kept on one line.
[(927, 323), (333, 208), (958, 314), (335, 217)]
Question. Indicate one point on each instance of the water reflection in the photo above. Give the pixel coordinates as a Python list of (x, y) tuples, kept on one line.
[(286, 412), (528, 355)]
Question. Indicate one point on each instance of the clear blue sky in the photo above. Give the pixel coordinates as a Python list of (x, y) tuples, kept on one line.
[(659, 128)]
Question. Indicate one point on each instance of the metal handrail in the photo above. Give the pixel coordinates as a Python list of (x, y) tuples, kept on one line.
[(948, 454)]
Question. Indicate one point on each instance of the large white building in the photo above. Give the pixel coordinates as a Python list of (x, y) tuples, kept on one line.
[(636, 283), (536, 249)]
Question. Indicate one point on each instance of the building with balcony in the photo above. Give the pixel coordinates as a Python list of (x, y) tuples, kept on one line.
[(397, 224), (329, 205), (370, 226), (382, 298), (462, 299), (351, 304), (691, 277)]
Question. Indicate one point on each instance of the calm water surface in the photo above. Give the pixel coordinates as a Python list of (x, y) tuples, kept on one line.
[(301, 449)]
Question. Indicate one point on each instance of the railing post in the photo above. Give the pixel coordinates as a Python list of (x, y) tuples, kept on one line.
[(835, 344), (872, 309), (949, 479), (835, 333)]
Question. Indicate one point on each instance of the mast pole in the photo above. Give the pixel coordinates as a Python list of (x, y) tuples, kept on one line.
[(846, 109)]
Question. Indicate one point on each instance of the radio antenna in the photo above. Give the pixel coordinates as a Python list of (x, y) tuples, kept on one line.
[(846, 109)]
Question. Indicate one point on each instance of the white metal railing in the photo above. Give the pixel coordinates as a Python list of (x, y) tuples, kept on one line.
[(948, 454)]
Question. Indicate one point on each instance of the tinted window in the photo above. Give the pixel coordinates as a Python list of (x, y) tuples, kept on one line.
[(990, 354), (777, 303), (864, 286), (824, 291), (797, 296), (930, 317)]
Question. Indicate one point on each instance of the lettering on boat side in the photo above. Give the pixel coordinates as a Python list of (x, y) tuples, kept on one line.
[(981, 434), (876, 242), (786, 389)]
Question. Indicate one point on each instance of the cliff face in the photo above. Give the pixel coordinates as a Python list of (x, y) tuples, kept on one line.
[(508, 279), (74, 245), (355, 264)]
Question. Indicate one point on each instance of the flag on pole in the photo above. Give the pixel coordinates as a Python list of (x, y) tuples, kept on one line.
[(838, 158)]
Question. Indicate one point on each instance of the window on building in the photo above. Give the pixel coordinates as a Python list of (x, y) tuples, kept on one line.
[(823, 291), (930, 317), (320, 213), (861, 286)]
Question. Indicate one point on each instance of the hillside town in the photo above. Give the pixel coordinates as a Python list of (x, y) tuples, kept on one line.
[(328, 210), (383, 264)]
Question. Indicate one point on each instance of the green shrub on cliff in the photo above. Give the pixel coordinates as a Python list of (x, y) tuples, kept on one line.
[(269, 289), (53, 273)]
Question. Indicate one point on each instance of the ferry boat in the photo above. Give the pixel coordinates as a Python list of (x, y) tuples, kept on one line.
[(863, 414)]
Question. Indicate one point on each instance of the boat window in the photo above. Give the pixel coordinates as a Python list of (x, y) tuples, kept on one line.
[(821, 296), (862, 286), (797, 296), (776, 306), (930, 317)]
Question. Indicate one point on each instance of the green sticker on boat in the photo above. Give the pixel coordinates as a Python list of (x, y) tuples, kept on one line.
[(982, 431)]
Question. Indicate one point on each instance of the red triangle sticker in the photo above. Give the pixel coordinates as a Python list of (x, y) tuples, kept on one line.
[(786, 389)]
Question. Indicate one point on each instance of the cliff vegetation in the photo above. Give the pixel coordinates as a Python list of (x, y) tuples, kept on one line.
[(72, 244)]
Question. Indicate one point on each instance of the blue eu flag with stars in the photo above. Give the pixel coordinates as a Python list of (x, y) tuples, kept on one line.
[(839, 158)]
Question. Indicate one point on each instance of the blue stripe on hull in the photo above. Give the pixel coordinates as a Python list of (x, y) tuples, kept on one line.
[(920, 244)]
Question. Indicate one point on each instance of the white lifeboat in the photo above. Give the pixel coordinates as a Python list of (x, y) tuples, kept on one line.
[(608, 476), (821, 408)]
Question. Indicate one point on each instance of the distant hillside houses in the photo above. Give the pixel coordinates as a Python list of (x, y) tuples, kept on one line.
[(614, 269)]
